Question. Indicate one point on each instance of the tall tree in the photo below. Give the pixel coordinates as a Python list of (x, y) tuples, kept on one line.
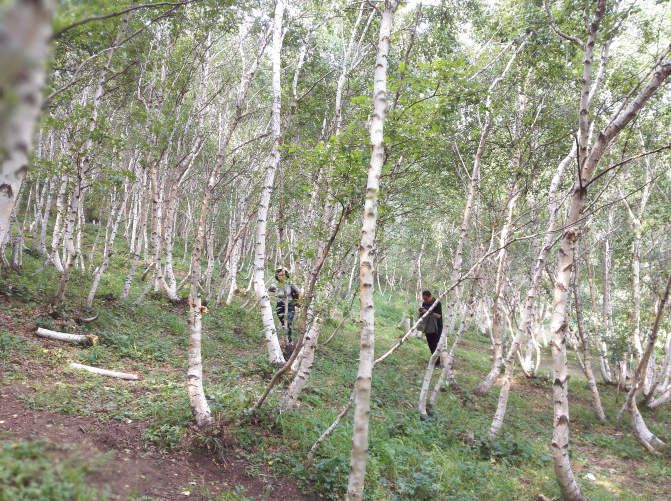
[(364, 378), (269, 329)]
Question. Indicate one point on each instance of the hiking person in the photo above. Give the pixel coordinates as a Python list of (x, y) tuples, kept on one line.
[(433, 323), (287, 295)]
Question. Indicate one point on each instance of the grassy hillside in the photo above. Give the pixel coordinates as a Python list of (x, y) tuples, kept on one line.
[(446, 457)]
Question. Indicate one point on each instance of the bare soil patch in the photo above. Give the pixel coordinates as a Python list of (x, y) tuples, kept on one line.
[(131, 468)]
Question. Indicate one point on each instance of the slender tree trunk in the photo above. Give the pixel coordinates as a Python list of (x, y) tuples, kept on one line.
[(136, 243), (69, 240), (362, 388), (269, 330), (530, 298), (44, 217), (604, 367), (636, 220), (641, 430), (497, 320), (197, 399), (663, 383), (441, 351), (290, 397), (109, 248), (585, 348)]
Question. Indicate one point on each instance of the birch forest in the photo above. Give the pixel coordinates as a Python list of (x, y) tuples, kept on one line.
[(342, 249)]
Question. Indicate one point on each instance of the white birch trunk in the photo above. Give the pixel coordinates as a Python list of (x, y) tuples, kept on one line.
[(560, 442), (57, 233), (69, 240), (24, 30), (105, 372), (497, 320), (530, 299), (269, 330), (194, 378), (289, 399), (362, 389), (44, 218), (109, 248), (82, 339), (641, 430), (441, 350), (585, 348), (136, 243)]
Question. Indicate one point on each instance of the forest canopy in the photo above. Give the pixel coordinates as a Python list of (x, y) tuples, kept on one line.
[(334, 182)]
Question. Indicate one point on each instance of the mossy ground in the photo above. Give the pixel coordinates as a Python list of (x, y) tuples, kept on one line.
[(409, 458)]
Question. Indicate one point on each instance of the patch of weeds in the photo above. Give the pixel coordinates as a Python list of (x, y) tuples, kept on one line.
[(30, 470), (625, 447), (327, 475), (16, 291), (511, 452), (165, 435), (95, 355), (238, 493), (168, 410), (422, 485), (10, 344)]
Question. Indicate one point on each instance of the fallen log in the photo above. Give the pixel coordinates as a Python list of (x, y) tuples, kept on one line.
[(83, 339), (105, 372)]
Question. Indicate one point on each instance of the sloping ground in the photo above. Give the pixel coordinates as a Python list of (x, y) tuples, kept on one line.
[(127, 468), (146, 424), (114, 456)]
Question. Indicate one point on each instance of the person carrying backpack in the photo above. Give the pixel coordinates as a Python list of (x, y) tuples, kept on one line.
[(288, 296)]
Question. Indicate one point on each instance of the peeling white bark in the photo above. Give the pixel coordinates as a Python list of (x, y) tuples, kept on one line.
[(269, 330), (24, 33), (362, 389)]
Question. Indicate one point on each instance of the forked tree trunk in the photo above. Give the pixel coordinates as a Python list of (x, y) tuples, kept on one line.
[(289, 399), (588, 162), (57, 233), (24, 35), (109, 248), (641, 430), (69, 240), (530, 299), (497, 320), (585, 347), (362, 389), (660, 393)]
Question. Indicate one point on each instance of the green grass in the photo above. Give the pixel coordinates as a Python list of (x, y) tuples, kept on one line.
[(38, 470), (409, 459)]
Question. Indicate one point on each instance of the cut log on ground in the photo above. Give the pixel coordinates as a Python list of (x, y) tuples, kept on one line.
[(82, 339), (105, 372)]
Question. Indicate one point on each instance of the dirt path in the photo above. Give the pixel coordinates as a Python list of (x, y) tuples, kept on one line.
[(130, 469)]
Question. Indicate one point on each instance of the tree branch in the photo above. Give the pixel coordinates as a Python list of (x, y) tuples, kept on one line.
[(102, 17)]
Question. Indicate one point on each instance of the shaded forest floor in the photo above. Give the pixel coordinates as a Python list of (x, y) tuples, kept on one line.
[(72, 435)]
